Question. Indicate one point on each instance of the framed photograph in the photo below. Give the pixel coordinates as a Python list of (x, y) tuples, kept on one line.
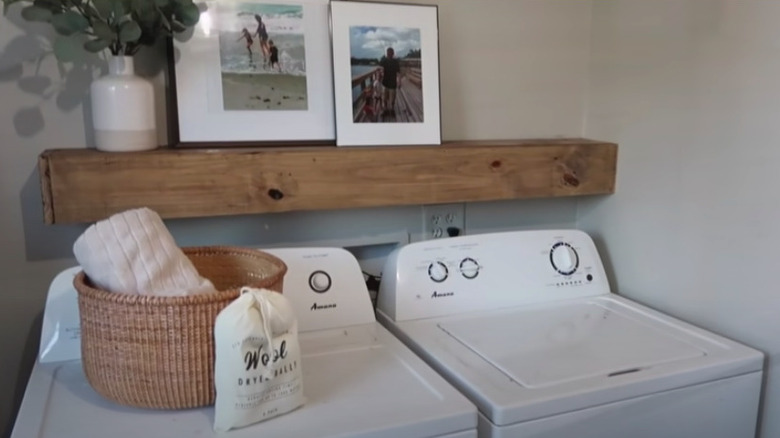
[(386, 73), (255, 71)]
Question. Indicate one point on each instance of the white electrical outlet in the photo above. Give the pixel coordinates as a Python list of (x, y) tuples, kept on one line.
[(443, 220)]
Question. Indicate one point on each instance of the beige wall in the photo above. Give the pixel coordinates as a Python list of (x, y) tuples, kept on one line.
[(689, 89), (509, 69)]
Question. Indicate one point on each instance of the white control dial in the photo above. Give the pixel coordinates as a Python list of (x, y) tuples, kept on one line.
[(564, 258), (319, 281), (469, 268), (438, 271)]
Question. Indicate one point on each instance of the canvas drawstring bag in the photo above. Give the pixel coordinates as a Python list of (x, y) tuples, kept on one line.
[(257, 371)]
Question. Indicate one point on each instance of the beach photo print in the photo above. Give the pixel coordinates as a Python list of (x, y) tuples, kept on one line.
[(255, 72), (386, 73), (262, 55), (386, 68)]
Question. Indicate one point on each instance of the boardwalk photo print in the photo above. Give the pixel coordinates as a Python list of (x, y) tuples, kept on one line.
[(386, 66), (385, 73)]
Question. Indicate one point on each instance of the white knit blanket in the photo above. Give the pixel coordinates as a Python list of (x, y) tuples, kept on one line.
[(133, 252)]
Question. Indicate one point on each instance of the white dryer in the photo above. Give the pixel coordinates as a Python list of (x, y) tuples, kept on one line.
[(524, 324), (359, 380)]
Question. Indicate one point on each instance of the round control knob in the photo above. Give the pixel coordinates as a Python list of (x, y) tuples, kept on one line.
[(469, 268), (438, 271), (319, 281), (564, 258)]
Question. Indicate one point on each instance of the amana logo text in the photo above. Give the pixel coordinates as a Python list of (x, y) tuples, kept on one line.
[(442, 294), (316, 306)]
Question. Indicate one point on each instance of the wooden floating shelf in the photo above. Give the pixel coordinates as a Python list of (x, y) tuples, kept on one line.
[(85, 185)]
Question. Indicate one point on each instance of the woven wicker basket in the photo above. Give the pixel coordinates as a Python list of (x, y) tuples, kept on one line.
[(158, 352)]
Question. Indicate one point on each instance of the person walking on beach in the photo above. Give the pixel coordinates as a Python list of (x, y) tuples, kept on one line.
[(274, 55), (245, 35), (262, 35), (391, 79)]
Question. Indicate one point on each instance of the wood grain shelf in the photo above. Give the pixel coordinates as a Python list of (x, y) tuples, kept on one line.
[(84, 185)]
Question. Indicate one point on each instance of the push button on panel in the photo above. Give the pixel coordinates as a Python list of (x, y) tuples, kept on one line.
[(319, 281)]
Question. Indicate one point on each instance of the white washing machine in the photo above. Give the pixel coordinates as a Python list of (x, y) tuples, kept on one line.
[(359, 380), (524, 324)]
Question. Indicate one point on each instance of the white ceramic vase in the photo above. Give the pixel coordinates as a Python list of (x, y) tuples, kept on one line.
[(123, 109)]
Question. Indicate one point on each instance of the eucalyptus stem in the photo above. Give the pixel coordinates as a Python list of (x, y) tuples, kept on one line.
[(166, 22), (81, 11), (88, 7)]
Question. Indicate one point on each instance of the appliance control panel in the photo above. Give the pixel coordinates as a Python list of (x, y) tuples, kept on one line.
[(489, 271), (325, 287)]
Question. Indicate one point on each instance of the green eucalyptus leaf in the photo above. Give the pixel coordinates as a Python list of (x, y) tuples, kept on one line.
[(104, 8), (69, 22), (67, 49), (91, 12), (36, 13), (129, 32), (118, 9), (103, 31), (149, 20), (150, 34), (148, 24), (55, 6), (7, 3), (96, 45), (179, 4), (162, 3), (145, 13), (141, 6), (188, 14), (127, 5), (165, 21), (76, 2)]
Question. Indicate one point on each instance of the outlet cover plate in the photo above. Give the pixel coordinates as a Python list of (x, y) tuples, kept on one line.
[(440, 219)]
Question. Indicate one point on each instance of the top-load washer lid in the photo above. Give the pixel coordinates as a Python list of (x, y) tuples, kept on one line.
[(358, 379), (524, 323), (536, 361), (570, 342), (359, 382)]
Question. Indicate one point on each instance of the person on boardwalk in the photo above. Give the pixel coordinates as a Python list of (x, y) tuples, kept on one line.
[(274, 55), (376, 87), (262, 34), (369, 108), (245, 35), (391, 79)]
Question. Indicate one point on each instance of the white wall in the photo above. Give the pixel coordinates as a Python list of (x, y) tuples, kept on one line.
[(509, 69), (691, 92)]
